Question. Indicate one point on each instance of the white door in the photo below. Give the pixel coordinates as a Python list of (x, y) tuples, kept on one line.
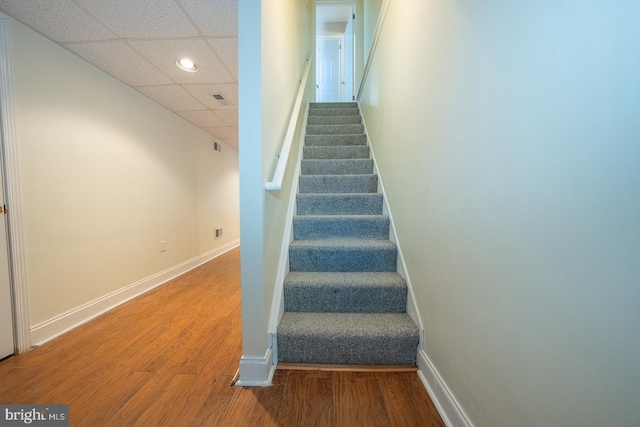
[(347, 87), (6, 314), (327, 70)]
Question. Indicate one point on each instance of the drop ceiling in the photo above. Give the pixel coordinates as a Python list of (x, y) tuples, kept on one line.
[(138, 43)]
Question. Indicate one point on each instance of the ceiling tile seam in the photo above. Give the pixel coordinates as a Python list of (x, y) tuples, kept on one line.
[(224, 63), (204, 107), (105, 26), (138, 39), (189, 18), (118, 35)]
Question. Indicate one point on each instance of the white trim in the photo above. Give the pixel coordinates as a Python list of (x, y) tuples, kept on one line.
[(12, 194), (256, 371), (277, 304), (57, 326), (412, 308), (448, 407)]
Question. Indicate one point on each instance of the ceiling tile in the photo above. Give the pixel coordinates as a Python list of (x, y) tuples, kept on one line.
[(122, 62), (223, 132), (164, 54), (230, 117), (60, 20), (202, 118), (214, 17), (227, 50), (141, 19), (173, 97), (203, 94)]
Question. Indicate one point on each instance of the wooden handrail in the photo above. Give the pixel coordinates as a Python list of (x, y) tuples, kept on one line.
[(278, 176)]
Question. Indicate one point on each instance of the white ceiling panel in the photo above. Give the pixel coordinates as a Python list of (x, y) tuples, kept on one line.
[(164, 54), (172, 97), (203, 118), (227, 50), (141, 19), (60, 20), (122, 62), (214, 17), (230, 117), (203, 94)]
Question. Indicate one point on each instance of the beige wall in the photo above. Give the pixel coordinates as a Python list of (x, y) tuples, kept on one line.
[(273, 42), (507, 137), (106, 174)]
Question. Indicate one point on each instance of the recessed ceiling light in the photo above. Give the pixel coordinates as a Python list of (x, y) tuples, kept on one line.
[(187, 65)]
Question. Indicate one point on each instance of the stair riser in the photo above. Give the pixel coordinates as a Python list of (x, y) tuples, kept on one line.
[(352, 204), (334, 140), (353, 152), (315, 112), (337, 299), (337, 167), (342, 259), (334, 129), (338, 184), (345, 351), (310, 228)]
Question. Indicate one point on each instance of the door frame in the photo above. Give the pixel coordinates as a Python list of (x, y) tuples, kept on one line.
[(358, 65), (9, 158)]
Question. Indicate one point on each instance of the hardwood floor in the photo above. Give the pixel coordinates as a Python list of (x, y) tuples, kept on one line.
[(167, 358)]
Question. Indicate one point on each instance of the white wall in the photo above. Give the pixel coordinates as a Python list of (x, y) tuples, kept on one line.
[(507, 136), (273, 42), (106, 174)]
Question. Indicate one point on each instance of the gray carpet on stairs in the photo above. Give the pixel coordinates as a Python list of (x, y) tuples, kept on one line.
[(344, 301)]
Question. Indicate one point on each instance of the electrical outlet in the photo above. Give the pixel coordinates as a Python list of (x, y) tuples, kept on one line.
[(163, 246), (218, 233)]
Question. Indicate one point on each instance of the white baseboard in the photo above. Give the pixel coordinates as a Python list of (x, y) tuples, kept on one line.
[(58, 325), (256, 371), (448, 407)]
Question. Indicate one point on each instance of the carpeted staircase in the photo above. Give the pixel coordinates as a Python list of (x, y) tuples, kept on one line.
[(344, 301)]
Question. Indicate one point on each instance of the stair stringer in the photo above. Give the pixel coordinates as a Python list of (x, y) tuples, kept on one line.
[(277, 304), (412, 307)]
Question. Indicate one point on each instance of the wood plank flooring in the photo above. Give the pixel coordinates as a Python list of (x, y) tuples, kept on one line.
[(167, 358)]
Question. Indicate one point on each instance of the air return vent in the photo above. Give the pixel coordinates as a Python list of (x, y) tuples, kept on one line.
[(217, 147), (220, 98)]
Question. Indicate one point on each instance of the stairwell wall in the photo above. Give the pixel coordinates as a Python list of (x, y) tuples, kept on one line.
[(106, 174), (506, 135), (273, 44)]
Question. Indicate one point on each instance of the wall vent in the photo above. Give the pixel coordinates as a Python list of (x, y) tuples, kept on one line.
[(218, 233), (220, 98), (217, 147)]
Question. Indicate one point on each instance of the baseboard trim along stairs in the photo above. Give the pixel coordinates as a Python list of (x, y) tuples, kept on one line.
[(345, 305)]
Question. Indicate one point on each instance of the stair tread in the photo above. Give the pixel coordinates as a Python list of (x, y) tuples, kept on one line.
[(339, 325)]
